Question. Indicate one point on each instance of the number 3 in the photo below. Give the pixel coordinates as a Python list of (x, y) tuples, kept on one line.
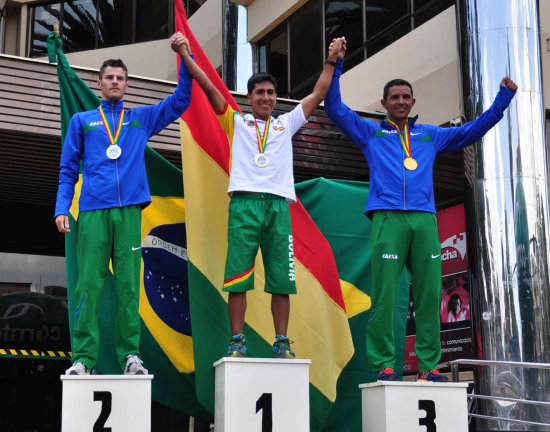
[(428, 421)]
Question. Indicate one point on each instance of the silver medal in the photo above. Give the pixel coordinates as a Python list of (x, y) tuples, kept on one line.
[(113, 151), (261, 160)]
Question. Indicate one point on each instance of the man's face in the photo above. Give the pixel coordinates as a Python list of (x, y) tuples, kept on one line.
[(113, 84), (262, 99), (399, 102)]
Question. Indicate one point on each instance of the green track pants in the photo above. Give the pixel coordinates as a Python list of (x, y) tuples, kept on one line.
[(405, 238), (104, 234)]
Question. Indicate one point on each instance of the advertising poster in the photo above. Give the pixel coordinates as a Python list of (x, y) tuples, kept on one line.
[(456, 334)]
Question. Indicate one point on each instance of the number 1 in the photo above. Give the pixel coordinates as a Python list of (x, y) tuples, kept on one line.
[(265, 403)]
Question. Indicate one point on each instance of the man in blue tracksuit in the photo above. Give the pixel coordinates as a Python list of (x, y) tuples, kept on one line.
[(401, 153), (109, 142)]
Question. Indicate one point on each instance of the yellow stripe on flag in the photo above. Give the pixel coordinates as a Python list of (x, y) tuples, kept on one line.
[(356, 300)]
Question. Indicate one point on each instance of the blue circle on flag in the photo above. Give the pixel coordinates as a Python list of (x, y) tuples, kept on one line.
[(165, 275)]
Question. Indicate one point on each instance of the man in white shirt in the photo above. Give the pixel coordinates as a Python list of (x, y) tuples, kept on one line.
[(261, 187)]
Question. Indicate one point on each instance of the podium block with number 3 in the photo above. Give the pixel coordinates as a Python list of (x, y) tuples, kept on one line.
[(414, 407), (266, 395), (106, 403)]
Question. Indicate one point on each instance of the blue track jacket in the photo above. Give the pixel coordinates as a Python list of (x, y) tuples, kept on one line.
[(108, 183), (392, 187)]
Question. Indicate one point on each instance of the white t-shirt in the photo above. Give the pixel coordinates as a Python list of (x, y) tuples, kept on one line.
[(277, 177)]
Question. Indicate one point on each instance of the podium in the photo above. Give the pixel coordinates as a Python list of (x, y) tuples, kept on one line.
[(261, 394), (392, 406), (106, 403)]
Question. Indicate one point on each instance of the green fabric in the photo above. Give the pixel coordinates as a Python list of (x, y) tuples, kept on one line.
[(337, 208), (115, 233), (171, 388), (405, 238), (259, 221)]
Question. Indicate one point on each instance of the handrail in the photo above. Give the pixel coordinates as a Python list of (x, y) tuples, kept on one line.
[(453, 364)]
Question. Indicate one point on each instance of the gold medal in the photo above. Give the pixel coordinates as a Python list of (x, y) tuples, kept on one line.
[(261, 160), (410, 163)]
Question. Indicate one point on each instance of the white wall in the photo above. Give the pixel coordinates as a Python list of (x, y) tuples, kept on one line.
[(426, 57)]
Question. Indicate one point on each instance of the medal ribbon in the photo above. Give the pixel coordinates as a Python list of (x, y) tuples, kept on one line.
[(262, 141), (405, 142), (112, 140)]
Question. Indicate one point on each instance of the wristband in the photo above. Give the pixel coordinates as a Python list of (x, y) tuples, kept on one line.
[(330, 62)]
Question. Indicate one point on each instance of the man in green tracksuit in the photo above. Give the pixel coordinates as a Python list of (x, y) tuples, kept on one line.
[(110, 143), (401, 153)]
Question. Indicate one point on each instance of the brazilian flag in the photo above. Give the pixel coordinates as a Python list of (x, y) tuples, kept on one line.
[(337, 208), (166, 343)]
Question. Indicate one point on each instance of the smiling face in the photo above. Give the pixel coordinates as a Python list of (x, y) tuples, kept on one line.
[(113, 83), (399, 103), (262, 99)]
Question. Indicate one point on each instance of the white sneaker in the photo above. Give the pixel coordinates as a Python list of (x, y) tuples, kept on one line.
[(77, 368), (134, 366)]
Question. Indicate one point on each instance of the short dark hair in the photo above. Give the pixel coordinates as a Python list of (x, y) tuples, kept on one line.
[(258, 78), (118, 63), (393, 83)]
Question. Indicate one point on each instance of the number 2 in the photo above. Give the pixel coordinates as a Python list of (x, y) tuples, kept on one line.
[(105, 398)]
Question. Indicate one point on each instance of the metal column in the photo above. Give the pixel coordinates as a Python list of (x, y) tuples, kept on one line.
[(236, 51), (507, 204)]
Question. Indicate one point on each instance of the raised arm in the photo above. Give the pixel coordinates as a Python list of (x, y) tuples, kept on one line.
[(336, 50), (181, 45)]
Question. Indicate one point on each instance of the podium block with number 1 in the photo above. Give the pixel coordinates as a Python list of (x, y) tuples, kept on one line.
[(106, 402), (258, 394)]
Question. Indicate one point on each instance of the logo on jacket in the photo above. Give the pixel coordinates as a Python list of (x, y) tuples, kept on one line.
[(390, 256), (98, 123), (278, 128), (250, 123)]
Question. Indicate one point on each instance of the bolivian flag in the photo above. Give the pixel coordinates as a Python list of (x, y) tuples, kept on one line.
[(318, 322)]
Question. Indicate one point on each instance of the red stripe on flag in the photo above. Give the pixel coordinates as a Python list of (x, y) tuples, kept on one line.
[(313, 250), (203, 124)]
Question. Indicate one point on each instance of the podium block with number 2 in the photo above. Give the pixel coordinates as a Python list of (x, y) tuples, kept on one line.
[(106, 403), (266, 395), (414, 407)]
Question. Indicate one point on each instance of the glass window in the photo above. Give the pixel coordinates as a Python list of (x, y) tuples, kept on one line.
[(306, 44), (78, 27), (151, 20), (382, 14), (344, 18), (387, 38), (275, 52), (425, 10), (42, 19), (114, 22), (192, 6)]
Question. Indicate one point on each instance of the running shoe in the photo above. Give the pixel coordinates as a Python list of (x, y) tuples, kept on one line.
[(281, 348), (432, 375), (134, 366), (237, 346), (77, 368), (387, 374)]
